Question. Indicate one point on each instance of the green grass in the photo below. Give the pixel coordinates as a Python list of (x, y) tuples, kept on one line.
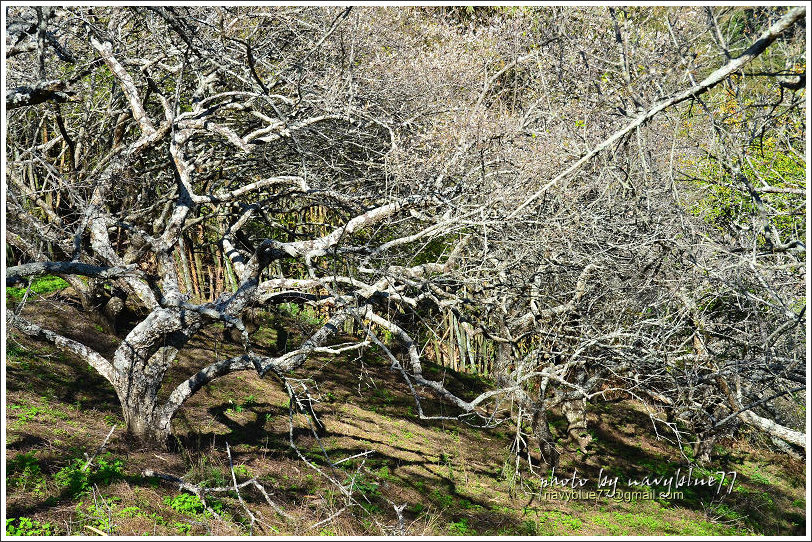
[(655, 522), (24, 472), (758, 477), (555, 522), (448, 475), (26, 413), (40, 285), (460, 528)]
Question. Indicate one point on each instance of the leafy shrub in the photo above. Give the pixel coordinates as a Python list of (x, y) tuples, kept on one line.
[(291, 309), (27, 527), (191, 505), (73, 478), (78, 481), (725, 200), (108, 471), (242, 470), (366, 487), (305, 315)]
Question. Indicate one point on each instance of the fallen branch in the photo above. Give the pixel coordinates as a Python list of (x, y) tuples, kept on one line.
[(16, 273), (95, 530), (201, 491), (185, 486), (99, 449), (237, 490)]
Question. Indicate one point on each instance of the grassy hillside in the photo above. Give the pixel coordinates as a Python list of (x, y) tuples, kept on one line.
[(449, 478)]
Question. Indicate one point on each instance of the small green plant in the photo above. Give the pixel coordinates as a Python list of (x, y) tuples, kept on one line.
[(248, 402), (311, 317), (383, 473), (78, 480), (551, 523), (185, 503), (14, 351), (182, 528), (305, 315), (386, 336), (443, 500), (688, 451), (73, 478), (98, 514), (465, 504), (136, 512), (759, 478), (25, 413), (108, 470), (461, 528), (192, 505), (366, 487), (291, 309), (386, 395), (242, 470), (24, 472), (130, 512), (527, 528), (27, 527)]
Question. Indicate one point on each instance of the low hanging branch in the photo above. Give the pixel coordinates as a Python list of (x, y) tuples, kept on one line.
[(16, 274), (44, 91)]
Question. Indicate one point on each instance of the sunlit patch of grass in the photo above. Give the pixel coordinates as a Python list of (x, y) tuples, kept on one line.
[(40, 285)]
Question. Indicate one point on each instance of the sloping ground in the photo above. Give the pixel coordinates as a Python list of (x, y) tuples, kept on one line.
[(449, 477)]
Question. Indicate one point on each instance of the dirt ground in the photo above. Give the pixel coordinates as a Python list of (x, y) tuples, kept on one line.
[(445, 477)]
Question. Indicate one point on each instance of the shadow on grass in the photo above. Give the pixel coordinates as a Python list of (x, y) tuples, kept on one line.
[(369, 383)]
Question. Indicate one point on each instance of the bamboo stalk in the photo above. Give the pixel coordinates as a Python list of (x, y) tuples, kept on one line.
[(232, 278)]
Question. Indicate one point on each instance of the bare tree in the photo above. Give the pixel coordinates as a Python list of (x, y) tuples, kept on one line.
[(546, 204)]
